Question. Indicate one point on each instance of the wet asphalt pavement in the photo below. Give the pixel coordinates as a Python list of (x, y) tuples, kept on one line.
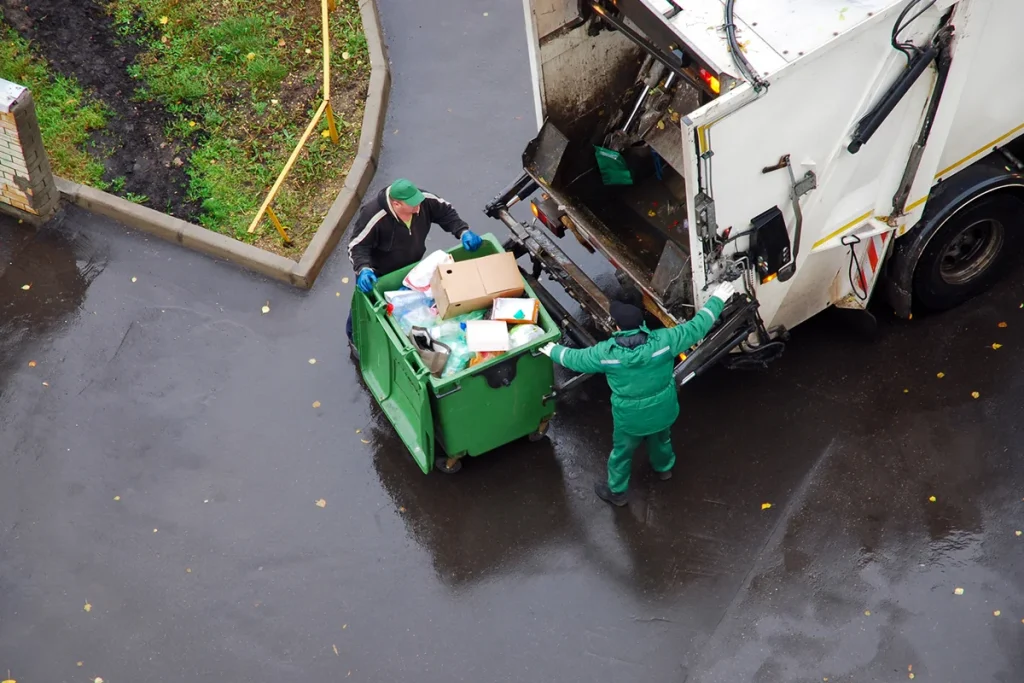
[(161, 458)]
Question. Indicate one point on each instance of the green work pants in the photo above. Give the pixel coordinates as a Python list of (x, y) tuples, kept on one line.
[(659, 449)]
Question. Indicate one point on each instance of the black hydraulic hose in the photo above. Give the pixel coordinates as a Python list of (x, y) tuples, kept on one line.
[(742, 63)]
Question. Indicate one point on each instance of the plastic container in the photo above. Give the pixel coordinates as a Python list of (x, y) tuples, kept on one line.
[(467, 412)]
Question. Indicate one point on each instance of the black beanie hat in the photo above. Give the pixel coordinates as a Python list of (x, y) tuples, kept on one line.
[(626, 316)]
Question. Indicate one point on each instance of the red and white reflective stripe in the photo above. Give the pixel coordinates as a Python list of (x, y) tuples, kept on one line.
[(876, 250)]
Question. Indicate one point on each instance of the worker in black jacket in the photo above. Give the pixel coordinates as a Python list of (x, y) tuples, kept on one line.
[(390, 232)]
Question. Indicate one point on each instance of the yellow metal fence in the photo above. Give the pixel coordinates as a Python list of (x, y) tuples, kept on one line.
[(266, 209)]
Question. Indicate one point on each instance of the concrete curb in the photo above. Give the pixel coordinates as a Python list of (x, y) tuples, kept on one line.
[(305, 272)]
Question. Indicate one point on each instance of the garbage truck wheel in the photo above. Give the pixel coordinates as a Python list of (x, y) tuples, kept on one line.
[(448, 465)]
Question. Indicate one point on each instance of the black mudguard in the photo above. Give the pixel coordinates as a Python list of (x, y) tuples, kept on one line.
[(991, 174)]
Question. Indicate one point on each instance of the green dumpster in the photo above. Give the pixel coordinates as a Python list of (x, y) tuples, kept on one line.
[(471, 412)]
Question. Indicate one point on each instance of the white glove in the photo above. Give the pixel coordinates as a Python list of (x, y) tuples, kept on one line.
[(546, 349), (724, 291)]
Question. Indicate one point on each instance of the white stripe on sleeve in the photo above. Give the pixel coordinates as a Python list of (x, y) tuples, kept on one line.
[(366, 231), (431, 195)]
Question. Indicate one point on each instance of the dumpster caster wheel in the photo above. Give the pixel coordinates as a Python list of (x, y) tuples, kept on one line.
[(448, 465), (542, 431)]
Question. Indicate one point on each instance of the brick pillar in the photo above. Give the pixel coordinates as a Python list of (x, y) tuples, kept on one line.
[(27, 189)]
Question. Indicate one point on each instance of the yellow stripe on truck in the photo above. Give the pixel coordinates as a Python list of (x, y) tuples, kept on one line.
[(840, 231)]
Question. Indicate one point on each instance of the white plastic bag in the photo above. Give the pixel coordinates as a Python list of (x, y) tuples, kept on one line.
[(521, 335), (419, 277)]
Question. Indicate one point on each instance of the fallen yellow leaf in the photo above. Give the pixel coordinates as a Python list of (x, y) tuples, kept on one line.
[(652, 214), (321, 503), (154, 531), (188, 570), (906, 391), (344, 281), (10, 680), (164, 20), (910, 675), (344, 626), (31, 363), (117, 497), (312, 361), (265, 309), (308, 51), (401, 509), (46, 384), (335, 649), (941, 375), (97, 680), (765, 506), (996, 613), (661, 125), (975, 394), (135, 279), (1018, 532), (88, 607), (358, 430), (251, 56), (26, 287), (345, 55), (281, 43), (316, 404), (996, 347), (931, 499), (364, 440), (867, 613), (79, 663), (1002, 324), (325, 134), (958, 591), (337, 294)]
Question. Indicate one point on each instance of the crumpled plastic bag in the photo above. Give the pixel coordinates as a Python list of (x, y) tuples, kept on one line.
[(521, 335), (419, 277)]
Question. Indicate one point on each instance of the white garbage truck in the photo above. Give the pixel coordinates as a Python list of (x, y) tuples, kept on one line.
[(816, 153)]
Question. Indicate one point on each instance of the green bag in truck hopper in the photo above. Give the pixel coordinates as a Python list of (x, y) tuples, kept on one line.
[(614, 170)]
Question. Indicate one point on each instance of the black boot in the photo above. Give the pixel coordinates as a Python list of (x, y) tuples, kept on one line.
[(605, 494), (663, 476)]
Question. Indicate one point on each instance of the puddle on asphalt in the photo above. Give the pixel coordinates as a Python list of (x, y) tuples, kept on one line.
[(44, 275)]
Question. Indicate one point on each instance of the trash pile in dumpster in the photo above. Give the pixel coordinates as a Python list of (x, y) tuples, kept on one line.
[(458, 315)]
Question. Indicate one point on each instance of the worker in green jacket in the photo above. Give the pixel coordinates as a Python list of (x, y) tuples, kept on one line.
[(639, 363)]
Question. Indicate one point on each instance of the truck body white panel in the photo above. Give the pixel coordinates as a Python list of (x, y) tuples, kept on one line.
[(826, 64)]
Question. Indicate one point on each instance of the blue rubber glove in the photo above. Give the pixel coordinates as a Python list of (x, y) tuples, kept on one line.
[(471, 241), (366, 280)]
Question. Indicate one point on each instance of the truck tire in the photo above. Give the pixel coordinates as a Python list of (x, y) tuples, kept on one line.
[(969, 251)]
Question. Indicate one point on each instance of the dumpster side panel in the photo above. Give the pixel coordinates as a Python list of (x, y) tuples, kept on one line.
[(478, 417), (399, 385)]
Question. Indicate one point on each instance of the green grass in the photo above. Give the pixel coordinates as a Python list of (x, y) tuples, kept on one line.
[(65, 111), (231, 72)]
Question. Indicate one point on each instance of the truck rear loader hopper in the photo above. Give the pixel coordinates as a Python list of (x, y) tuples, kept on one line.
[(877, 121)]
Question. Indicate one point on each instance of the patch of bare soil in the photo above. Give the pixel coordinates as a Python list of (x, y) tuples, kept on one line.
[(78, 38)]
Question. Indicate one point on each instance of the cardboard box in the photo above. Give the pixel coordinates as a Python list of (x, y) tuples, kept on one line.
[(515, 311), (473, 284)]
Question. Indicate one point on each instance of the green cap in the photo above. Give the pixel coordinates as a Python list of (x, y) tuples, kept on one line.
[(405, 191)]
